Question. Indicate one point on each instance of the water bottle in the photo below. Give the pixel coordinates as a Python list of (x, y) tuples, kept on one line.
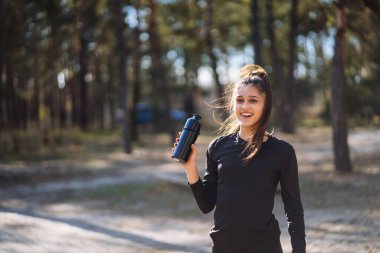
[(188, 137)]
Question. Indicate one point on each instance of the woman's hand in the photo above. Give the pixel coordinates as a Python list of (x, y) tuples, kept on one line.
[(176, 142), (190, 166), (191, 161)]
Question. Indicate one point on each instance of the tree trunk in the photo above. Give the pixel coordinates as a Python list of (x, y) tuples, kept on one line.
[(110, 101), (62, 114), (83, 43), (122, 72), (82, 82), (289, 105), (10, 99), (22, 102), (74, 102), (213, 57), (136, 75), (36, 80), (159, 72), (338, 86), (54, 91), (255, 31), (100, 93), (2, 60), (277, 83)]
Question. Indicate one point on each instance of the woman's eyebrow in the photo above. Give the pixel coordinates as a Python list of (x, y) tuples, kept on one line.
[(248, 96)]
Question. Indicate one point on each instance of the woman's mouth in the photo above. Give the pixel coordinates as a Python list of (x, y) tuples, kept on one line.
[(246, 115)]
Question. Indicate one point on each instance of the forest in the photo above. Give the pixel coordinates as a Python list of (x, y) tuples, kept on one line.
[(94, 92), (104, 65)]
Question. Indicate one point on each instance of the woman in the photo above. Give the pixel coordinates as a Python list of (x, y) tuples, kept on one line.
[(244, 166)]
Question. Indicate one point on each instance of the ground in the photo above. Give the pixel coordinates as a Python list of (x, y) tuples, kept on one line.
[(113, 202)]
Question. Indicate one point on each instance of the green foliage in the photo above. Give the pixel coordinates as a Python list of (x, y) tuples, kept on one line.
[(363, 104), (312, 17), (231, 21), (42, 40), (32, 145)]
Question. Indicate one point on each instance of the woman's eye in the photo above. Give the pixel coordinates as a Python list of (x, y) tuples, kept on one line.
[(252, 100), (240, 101)]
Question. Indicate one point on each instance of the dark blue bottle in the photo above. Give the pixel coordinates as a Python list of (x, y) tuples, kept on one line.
[(188, 137)]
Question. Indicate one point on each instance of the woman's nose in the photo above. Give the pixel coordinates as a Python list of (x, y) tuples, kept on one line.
[(244, 105)]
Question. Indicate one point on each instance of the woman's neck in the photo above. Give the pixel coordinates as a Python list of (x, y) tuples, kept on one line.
[(246, 133)]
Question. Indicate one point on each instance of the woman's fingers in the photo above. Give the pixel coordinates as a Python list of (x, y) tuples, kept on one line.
[(193, 152), (176, 142), (191, 161), (194, 149)]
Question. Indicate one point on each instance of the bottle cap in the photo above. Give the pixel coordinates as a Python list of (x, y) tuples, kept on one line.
[(198, 117)]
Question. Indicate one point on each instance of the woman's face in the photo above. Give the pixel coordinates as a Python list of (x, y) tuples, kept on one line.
[(248, 105)]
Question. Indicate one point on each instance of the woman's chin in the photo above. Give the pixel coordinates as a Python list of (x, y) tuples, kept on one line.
[(246, 124)]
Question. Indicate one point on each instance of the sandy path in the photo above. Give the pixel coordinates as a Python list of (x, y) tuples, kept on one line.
[(30, 223)]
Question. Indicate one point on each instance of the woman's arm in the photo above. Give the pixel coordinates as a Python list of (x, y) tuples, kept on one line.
[(204, 192), (191, 167), (290, 193)]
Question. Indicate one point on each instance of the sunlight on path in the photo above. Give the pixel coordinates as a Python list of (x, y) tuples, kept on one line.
[(30, 223), (27, 232)]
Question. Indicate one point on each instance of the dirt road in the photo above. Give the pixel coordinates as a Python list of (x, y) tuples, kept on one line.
[(139, 205)]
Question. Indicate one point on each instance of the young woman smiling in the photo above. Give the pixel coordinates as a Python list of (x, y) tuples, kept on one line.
[(244, 165)]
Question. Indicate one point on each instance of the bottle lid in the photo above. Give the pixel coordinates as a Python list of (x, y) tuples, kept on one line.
[(198, 117)]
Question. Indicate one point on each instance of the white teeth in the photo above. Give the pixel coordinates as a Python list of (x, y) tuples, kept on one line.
[(246, 114)]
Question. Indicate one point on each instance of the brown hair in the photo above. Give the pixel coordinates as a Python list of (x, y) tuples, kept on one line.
[(250, 75)]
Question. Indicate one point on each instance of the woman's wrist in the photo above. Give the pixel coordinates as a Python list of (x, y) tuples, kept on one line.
[(192, 181), (192, 175)]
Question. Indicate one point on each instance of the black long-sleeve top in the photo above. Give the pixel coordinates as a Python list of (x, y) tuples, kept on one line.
[(243, 194)]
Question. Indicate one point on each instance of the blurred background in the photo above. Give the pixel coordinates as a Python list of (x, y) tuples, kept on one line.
[(96, 89)]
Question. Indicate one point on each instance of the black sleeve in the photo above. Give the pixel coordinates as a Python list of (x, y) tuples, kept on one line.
[(205, 191), (290, 193)]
